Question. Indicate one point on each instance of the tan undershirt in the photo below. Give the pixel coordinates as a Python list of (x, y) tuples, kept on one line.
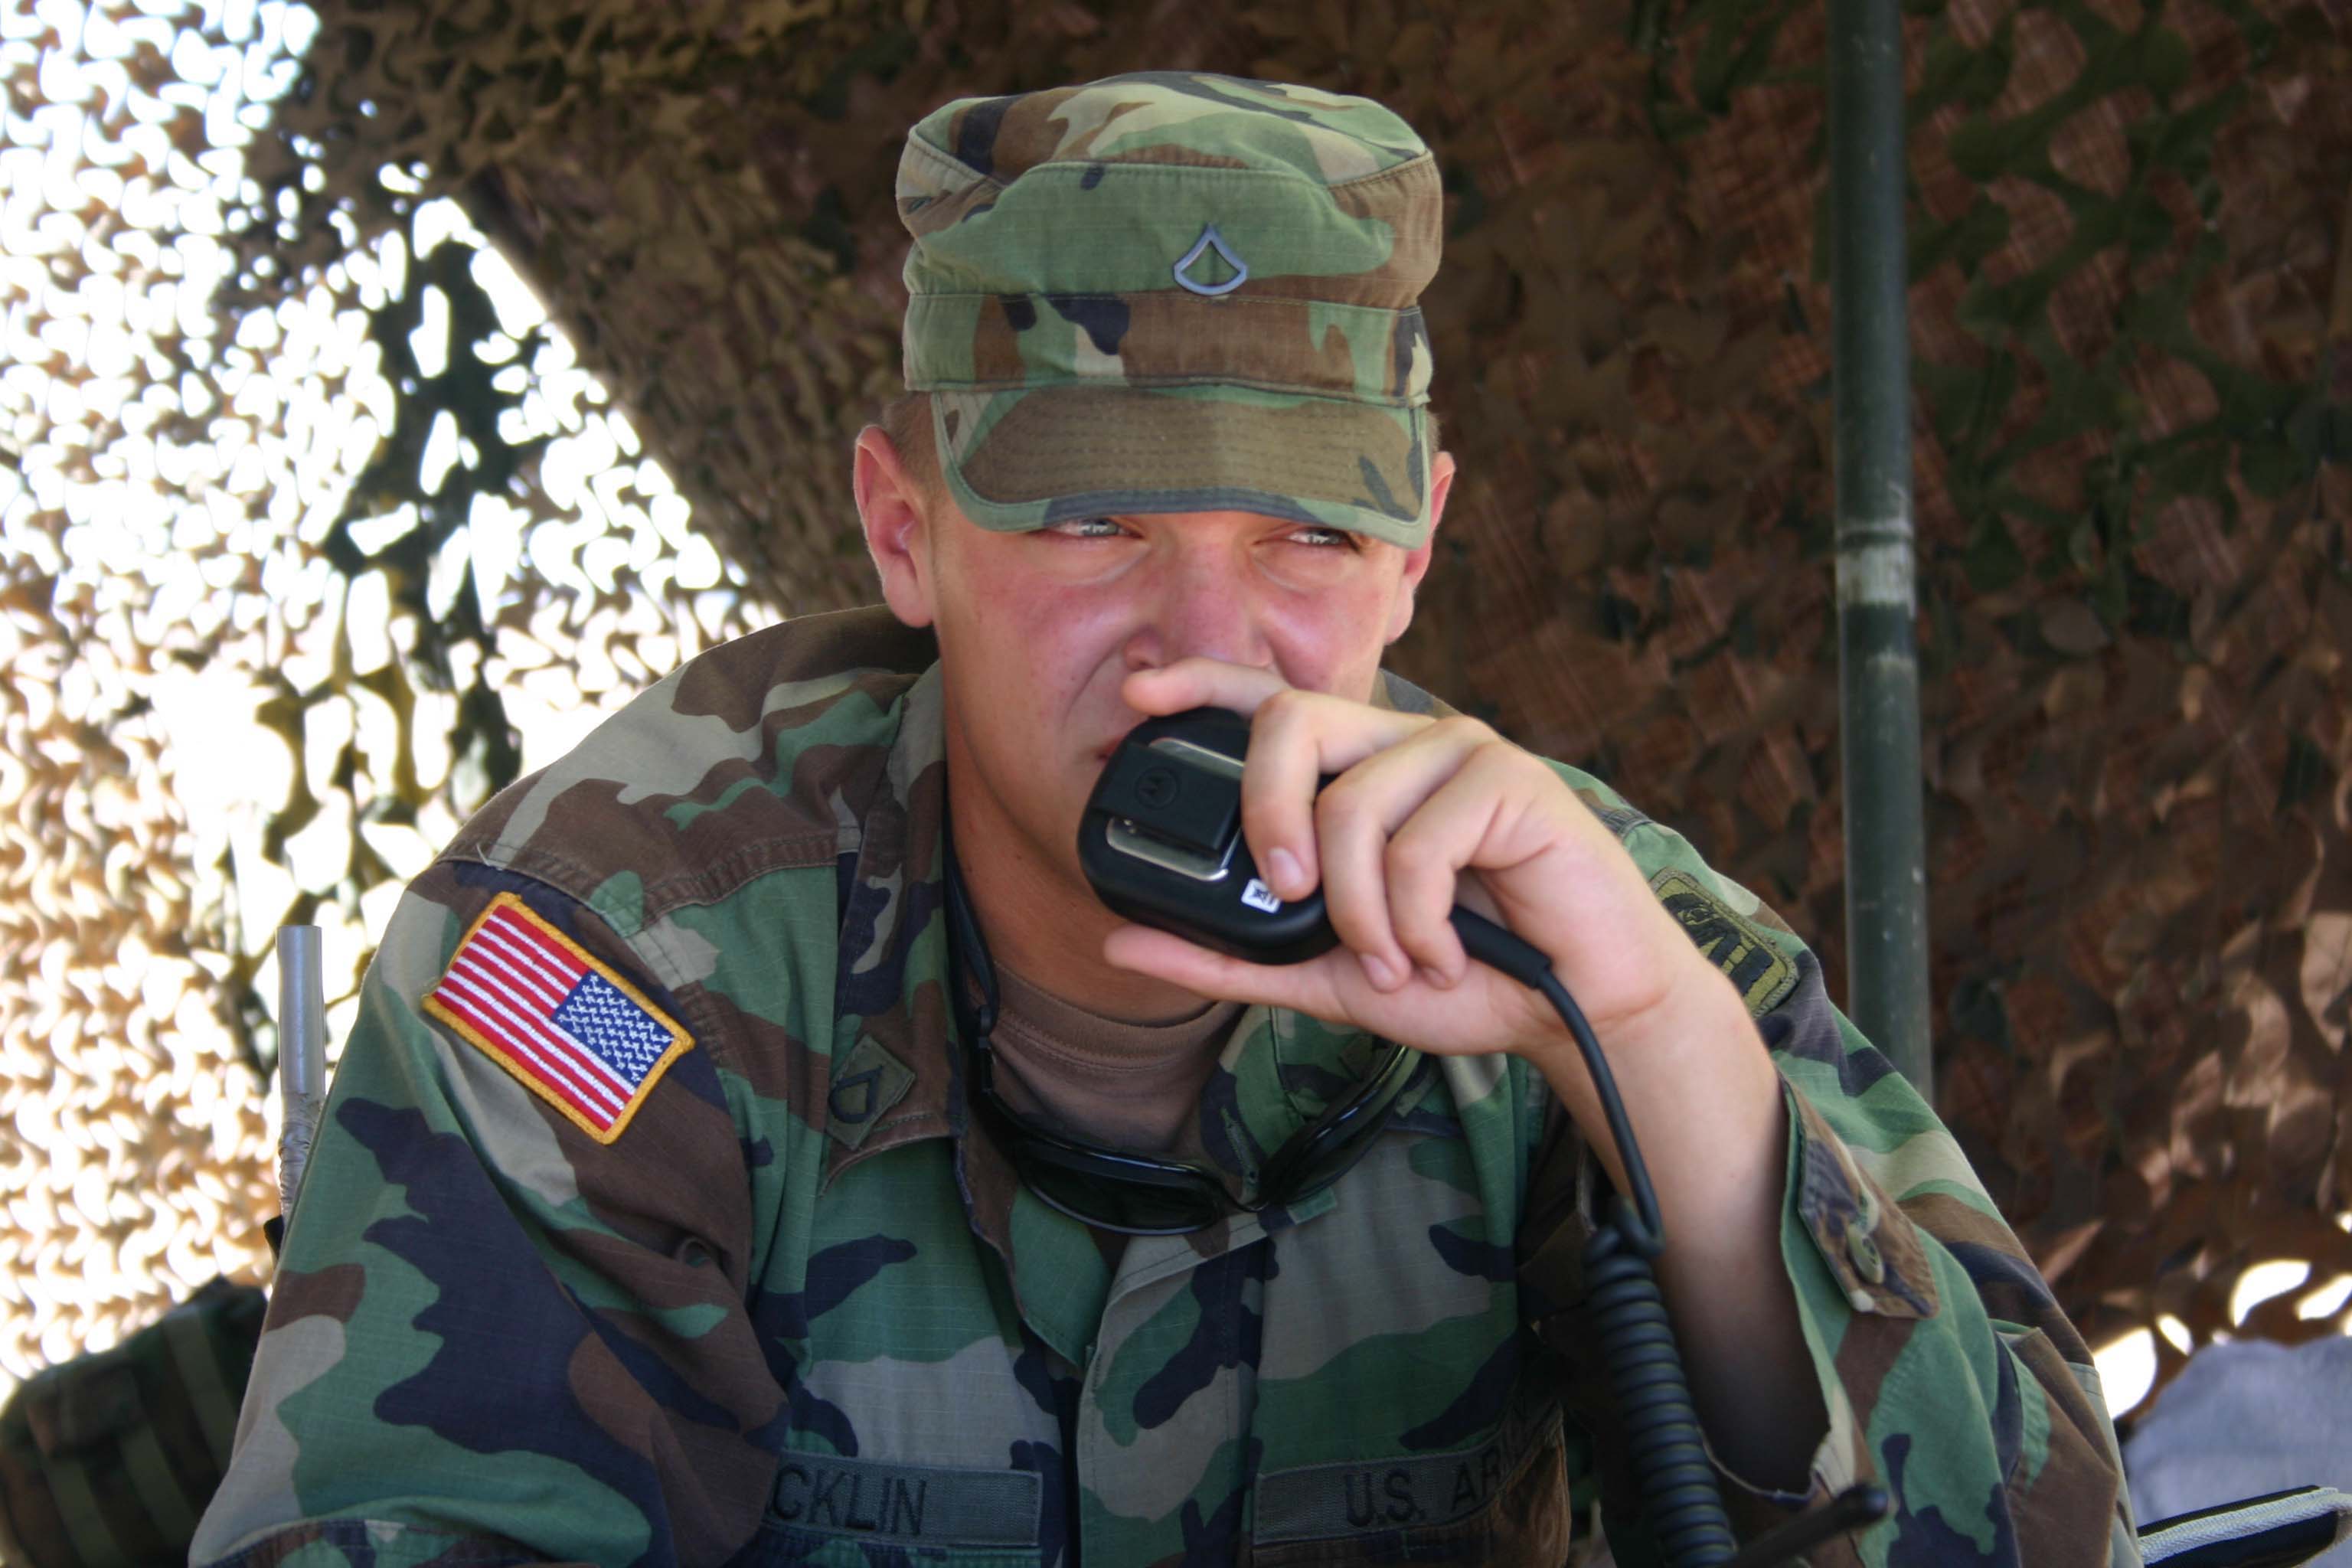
[(1132, 1086)]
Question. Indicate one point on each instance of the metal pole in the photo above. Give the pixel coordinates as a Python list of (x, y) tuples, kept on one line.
[(1878, 658), (302, 1055)]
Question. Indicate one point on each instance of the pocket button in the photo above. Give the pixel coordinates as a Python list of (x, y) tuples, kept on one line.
[(1863, 1252)]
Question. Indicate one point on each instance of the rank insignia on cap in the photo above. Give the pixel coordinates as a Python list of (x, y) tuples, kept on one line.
[(576, 1033), (1210, 240)]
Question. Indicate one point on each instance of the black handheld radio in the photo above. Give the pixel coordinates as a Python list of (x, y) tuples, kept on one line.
[(1160, 843)]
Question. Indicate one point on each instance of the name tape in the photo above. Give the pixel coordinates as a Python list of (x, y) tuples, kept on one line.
[(874, 1500), (1317, 1502)]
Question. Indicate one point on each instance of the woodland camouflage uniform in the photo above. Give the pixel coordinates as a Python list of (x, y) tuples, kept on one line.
[(787, 1304)]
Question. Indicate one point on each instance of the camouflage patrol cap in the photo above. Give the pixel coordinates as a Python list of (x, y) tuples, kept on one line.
[(1171, 291)]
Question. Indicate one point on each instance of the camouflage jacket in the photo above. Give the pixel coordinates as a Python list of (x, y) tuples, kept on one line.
[(788, 1306)]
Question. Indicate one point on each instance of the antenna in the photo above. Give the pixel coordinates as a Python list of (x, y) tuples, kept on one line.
[(301, 1055)]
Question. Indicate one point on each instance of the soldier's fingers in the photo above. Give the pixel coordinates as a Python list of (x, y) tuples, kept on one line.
[(1311, 988), (1295, 738), (1203, 682), (1200, 682), (1468, 820), (1354, 819)]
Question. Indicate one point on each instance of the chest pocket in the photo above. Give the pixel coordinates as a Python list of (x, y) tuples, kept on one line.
[(1503, 1502), (923, 1426)]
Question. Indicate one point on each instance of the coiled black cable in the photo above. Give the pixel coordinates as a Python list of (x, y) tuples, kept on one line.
[(1680, 1503), (1628, 1315)]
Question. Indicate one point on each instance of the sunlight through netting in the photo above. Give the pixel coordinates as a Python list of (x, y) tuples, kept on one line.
[(206, 724)]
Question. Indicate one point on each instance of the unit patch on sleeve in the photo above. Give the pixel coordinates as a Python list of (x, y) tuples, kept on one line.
[(576, 1033), (1739, 948)]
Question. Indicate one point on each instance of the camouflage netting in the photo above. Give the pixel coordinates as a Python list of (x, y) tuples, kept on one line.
[(2133, 329), (277, 591)]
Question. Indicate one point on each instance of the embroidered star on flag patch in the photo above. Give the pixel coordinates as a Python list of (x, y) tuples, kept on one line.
[(576, 1033)]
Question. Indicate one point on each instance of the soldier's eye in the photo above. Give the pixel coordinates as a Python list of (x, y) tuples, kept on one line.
[(1082, 527), (1326, 538)]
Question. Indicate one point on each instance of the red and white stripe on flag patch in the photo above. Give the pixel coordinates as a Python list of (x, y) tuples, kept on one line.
[(576, 1033)]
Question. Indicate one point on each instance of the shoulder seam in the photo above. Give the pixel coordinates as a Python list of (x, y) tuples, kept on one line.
[(720, 879)]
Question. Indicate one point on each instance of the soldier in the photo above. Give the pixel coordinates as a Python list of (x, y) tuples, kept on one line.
[(657, 1216)]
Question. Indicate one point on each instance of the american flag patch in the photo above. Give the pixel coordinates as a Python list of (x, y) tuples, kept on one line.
[(579, 1036)]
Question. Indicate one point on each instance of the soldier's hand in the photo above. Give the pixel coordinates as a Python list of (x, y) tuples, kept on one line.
[(1425, 813)]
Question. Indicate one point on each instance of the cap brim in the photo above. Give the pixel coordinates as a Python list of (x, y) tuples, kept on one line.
[(1018, 460)]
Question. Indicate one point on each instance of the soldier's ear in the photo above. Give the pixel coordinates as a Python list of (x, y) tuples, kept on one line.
[(893, 509)]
